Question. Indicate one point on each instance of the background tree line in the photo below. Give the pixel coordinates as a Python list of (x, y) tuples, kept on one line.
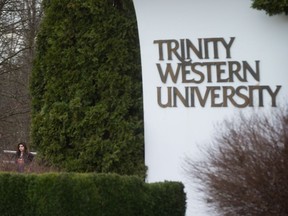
[(19, 23)]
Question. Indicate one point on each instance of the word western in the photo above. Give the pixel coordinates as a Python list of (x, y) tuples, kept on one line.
[(219, 72)]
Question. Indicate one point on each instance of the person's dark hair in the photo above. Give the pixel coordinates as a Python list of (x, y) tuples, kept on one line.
[(25, 148)]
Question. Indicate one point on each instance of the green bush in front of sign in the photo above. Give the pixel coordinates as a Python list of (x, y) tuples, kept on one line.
[(71, 194), (63, 194), (165, 195), (13, 191)]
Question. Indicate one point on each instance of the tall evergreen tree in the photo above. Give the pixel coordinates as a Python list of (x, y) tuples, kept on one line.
[(86, 88)]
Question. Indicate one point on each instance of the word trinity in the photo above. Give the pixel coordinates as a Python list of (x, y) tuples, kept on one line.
[(185, 49)]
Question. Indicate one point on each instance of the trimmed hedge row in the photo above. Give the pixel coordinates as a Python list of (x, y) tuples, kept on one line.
[(61, 194)]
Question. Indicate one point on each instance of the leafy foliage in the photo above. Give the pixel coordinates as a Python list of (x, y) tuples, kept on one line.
[(86, 88), (272, 7)]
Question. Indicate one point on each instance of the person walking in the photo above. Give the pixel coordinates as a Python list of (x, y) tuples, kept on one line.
[(23, 157)]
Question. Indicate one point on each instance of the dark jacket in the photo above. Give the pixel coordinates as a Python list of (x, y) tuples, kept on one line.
[(26, 159)]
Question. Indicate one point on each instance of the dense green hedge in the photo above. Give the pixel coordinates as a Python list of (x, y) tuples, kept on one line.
[(164, 196), (86, 88), (88, 194)]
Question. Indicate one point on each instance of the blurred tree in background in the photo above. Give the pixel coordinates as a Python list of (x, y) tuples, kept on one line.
[(19, 21)]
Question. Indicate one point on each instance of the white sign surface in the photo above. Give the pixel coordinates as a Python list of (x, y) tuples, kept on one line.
[(202, 61)]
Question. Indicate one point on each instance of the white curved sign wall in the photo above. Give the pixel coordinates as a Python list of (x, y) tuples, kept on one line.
[(202, 61)]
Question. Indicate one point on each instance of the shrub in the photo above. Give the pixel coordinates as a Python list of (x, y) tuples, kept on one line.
[(245, 170)]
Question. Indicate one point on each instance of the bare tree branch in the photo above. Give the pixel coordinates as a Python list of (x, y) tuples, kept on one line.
[(19, 23), (245, 170), (13, 55)]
